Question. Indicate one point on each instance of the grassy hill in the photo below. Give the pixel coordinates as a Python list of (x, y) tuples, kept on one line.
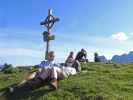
[(96, 82)]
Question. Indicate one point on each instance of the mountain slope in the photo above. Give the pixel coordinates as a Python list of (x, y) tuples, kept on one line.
[(96, 82)]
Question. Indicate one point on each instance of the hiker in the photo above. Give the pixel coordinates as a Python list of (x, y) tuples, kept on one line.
[(82, 56), (32, 78), (96, 57), (49, 63), (47, 76), (70, 59)]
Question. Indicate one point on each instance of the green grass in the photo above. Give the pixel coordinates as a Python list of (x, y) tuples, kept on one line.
[(96, 82)]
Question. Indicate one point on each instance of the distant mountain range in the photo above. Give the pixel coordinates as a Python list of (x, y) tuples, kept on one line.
[(1, 67), (124, 58)]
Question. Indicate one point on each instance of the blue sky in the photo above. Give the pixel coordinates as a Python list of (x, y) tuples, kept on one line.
[(103, 26)]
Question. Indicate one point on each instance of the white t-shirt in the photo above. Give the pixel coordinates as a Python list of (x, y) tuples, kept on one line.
[(69, 71), (63, 72)]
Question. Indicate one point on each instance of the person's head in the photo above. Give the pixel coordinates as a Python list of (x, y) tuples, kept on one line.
[(95, 54), (51, 55), (71, 53), (83, 50)]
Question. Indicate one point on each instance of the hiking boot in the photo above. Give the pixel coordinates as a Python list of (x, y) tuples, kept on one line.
[(11, 89), (54, 85)]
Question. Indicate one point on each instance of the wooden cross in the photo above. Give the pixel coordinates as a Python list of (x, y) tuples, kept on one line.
[(48, 23)]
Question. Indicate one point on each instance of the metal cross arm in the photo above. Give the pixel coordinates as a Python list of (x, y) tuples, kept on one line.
[(49, 21), (45, 22)]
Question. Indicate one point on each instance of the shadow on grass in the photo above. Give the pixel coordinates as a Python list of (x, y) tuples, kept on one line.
[(23, 95)]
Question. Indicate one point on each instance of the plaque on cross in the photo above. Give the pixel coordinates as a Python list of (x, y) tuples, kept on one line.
[(47, 36)]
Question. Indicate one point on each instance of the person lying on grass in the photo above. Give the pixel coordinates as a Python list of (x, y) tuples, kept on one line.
[(49, 63), (47, 75)]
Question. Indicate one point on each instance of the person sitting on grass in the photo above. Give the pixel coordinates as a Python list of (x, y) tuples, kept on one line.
[(82, 56), (47, 76), (70, 59), (96, 57)]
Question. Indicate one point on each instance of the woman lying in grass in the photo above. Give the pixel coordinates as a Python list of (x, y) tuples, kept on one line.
[(47, 75)]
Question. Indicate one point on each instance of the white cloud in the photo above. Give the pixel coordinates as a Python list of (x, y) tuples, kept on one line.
[(120, 36)]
